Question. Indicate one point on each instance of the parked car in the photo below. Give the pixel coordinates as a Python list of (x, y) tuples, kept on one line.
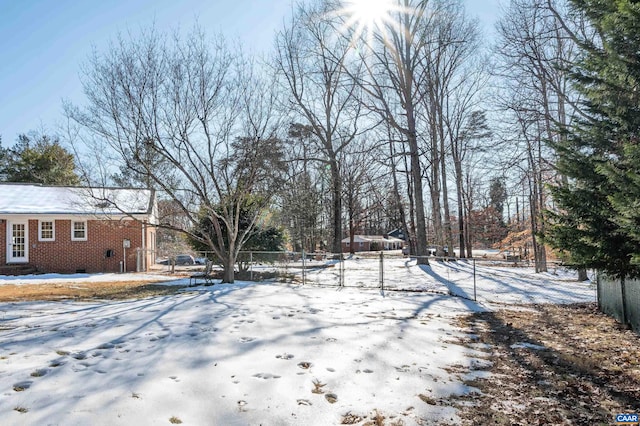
[(201, 260), (185, 259)]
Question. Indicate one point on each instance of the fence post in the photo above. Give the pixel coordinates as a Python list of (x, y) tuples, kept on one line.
[(341, 269), (598, 289), (304, 274), (381, 275), (474, 281), (250, 265), (623, 293)]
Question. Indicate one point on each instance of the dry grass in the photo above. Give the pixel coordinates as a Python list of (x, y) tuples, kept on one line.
[(428, 399), (174, 420), (584, 369), (115, 290), (317, 387)]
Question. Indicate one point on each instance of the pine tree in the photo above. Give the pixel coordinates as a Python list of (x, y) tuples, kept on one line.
[(598, 224), (37, 158)]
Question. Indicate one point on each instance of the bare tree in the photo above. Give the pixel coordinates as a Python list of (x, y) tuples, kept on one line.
[(535, 54), (395, 72), (449, 95), (193, 105), (312, 63), (363, 195), (468, 131), (301, 199)]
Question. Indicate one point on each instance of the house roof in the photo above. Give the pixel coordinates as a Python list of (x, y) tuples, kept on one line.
[(373, 238), (60, 200)]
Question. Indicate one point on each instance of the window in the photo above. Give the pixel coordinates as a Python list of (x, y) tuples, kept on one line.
[(78, 230), (46, 230)]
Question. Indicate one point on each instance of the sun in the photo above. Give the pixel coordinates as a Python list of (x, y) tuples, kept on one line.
[(369, 14), (364, 20)]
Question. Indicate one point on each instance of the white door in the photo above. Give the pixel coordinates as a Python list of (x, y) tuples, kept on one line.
[(18, 244)]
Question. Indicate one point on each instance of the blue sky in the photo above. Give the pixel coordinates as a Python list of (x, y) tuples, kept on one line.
[(44, 42)]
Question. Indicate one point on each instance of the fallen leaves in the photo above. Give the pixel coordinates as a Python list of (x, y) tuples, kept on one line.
[(552, 364)]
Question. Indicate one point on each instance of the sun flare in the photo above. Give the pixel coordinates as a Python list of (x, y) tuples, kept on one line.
[(369, 13), (364, 20)]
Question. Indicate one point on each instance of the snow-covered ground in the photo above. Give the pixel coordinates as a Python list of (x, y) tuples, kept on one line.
[(270, 354)]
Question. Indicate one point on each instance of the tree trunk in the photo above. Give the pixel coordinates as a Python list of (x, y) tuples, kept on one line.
[(461, 215), (413, 246), (421, 223), (448, 234), (352, 234), (229, 269), (435, 197), (582, 275), (336, 186), (396, 194), (468, 208)]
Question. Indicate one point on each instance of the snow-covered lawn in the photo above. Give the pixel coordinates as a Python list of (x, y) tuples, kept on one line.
[(271, 354)]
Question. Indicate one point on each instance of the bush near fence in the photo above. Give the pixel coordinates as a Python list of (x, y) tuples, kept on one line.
[(620, 298)]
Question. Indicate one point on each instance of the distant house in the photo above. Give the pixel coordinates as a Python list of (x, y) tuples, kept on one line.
[(71, 229), (397, 233), (371, 242)]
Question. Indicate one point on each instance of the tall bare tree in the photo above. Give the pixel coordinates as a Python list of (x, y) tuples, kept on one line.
[(312, 63), (535, 53), (395, 73), (199, 107), (450, 92)]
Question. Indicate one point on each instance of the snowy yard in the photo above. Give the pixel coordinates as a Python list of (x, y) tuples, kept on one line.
[(256, 353)]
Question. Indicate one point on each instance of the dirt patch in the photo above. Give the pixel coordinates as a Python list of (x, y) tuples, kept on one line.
[(551, 364), (115, 290)]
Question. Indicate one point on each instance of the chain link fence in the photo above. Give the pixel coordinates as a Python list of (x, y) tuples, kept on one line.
[(470, 279)]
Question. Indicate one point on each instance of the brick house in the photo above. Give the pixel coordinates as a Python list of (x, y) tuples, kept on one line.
[(371, 242), (71, 229)]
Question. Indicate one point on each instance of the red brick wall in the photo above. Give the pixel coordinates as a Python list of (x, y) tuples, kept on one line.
[(66, 256), (366, 246)]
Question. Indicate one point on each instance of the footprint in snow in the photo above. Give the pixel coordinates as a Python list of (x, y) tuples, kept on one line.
[(304, 365), (284, 356), (246, 339), (40, 372), (266, 376), (22, 386), (106, 346), (331, 397)]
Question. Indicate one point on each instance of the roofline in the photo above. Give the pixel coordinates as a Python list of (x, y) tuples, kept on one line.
[(76, 186)]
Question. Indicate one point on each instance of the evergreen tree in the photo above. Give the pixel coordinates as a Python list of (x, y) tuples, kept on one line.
[(497, 197), (598, 223), (38, 159)]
